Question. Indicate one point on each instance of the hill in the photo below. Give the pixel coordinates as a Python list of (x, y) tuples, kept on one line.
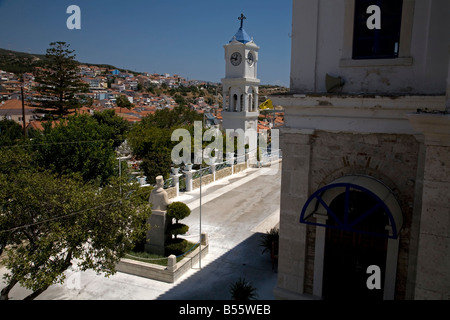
[(21, 62)]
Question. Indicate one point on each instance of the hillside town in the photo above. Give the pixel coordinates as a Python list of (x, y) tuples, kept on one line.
[(146, 92)]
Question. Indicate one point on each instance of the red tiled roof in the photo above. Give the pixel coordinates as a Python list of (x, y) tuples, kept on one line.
[(38, 125), (129, 117), (15, 104)]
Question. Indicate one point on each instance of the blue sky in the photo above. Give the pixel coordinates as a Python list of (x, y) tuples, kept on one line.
[(156, 36)]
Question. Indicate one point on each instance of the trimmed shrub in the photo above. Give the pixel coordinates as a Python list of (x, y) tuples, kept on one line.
[(176, 246), (178, 210), (177, 228)]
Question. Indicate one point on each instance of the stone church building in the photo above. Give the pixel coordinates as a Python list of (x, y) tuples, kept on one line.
[(366, 152)]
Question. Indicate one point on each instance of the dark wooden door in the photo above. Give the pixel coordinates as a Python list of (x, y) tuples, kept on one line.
[(349, 254), (347, 257)]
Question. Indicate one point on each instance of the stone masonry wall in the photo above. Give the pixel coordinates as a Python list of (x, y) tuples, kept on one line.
[(433, 276), (171, 192), (294, 193), (207, 179), (240, 167), (389, 158), (223, 173)]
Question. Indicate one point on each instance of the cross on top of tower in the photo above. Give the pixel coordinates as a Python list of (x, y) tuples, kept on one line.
[(240, 35), (242, 18)]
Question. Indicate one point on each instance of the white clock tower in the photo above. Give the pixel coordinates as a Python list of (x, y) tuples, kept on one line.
[(240, 85)]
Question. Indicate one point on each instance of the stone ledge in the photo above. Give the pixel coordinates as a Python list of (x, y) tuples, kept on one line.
[(353, 113), (364, 63), (435, 127), (160, 273)]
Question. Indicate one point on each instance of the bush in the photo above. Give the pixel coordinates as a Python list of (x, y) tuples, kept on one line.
[(176, 247), (270, 239), (243, 290), (177, 228), (10, 132), (178, 210), (143, 193)]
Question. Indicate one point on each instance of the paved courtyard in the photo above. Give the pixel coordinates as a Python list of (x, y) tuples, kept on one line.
[(235, 212)]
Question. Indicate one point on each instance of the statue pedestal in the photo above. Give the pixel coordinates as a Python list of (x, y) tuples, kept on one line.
[(156, 236)]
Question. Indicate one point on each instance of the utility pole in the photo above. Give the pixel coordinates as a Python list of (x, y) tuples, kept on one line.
[(200, 254), (200, 207)]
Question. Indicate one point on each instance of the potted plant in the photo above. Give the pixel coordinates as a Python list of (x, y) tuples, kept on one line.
[(175, 170), (269, 242), (243, 290), (230, 158), (141, 178)]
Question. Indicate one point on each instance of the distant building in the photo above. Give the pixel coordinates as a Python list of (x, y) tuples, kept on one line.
[(12, 110), (240, 85)]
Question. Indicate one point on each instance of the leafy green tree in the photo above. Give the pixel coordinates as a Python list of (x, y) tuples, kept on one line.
[(151, 138), (78, 146), (14, 159), (170, 119), (123, 102), (115, 127), (10, 132), (180, 100), (153, 146), (60, 84), (50, 223), (157, 163)]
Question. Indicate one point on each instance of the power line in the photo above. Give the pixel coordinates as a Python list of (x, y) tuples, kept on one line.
[(76, 142), (57, 218), (57, 143)]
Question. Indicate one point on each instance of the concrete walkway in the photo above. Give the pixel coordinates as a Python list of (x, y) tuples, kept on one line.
[(235, 212)]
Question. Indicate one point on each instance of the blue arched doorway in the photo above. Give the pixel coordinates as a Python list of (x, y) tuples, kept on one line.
[(361, 219)]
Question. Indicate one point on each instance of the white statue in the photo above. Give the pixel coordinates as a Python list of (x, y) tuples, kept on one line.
[(158, 197)]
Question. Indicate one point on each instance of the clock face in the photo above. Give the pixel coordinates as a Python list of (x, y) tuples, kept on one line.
[(236, 59), (250, 58)]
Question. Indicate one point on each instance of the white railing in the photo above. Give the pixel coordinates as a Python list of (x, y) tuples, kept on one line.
[(182, 179)]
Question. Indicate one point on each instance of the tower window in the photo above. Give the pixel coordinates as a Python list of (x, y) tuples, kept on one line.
[(375, 43)]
